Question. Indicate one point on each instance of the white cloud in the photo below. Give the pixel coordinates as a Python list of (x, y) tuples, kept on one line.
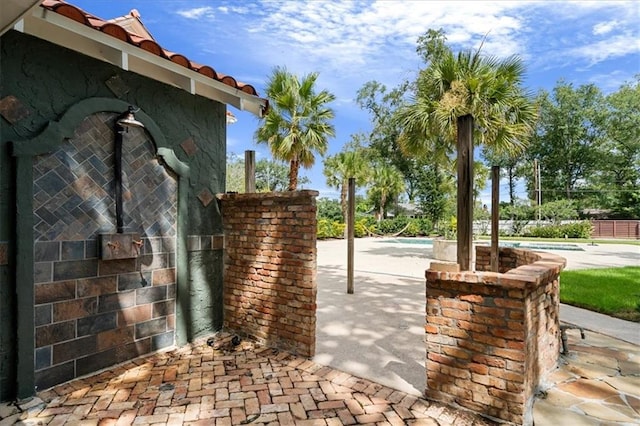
[(196, 13), (604, 27), (614, 47)]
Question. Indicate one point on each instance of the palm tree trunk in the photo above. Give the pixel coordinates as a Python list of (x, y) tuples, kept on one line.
[(383, 200), (293, 174), (343, 201)]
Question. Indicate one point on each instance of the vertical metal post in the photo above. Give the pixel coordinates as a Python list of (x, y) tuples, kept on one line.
[(351, 212), (249, 171), (495, 216), (465, 191), (117, 154)]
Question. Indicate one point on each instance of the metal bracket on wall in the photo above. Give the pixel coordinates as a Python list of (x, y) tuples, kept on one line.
[(120, 246)]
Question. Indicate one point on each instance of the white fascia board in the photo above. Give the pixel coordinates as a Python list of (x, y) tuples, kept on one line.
[(73, 35)]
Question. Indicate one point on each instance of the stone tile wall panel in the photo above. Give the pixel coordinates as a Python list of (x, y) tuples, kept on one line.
[(90, 313)]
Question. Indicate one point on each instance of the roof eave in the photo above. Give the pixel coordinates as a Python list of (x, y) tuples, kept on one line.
[(73, 35)]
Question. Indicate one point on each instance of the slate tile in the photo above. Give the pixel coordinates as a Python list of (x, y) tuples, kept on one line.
[(72, 250), (46, 251), (55, 292), (95, 362), (133, 280), (97, 286), (161, 341), (149, 328), (74, 269), (52, 376), (43, 272), (74, 349), (55, 333), (164, 308), (43, 358), (96, 323), (151, 294), (116, 301), (43, 314)]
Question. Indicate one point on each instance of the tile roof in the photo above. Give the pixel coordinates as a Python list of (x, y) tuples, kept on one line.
[(141, 41)]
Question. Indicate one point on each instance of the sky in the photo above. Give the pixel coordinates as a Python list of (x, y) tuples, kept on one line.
[(352, 42)]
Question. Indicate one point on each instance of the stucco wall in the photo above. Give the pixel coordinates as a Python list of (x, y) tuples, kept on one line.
[(39, 82)]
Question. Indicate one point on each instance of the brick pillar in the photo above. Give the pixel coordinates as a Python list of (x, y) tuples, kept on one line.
[(270, 268), (492, 337)]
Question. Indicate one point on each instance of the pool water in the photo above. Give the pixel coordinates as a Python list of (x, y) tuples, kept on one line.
[(515, 244)]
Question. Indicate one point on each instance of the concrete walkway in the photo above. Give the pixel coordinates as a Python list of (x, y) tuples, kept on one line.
[(378, 332)]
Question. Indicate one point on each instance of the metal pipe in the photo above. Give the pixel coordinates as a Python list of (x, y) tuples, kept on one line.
[(117, 150)]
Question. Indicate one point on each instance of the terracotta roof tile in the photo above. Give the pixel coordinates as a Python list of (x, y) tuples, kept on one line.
[(148, 44)]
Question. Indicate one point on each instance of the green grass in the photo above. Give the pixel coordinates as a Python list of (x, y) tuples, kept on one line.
[(611, 291)]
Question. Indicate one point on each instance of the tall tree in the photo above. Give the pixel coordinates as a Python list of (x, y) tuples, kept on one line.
[(510, 167), (274, 176), (454, 85), (385, 186), (568, 139), (619, 177), (339, 168), (298, 123)]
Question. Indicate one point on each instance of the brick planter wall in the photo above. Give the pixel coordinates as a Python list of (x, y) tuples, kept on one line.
[(492, 337), (270, 268)]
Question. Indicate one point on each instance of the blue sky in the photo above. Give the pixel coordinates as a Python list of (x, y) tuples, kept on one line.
[(352, 42)]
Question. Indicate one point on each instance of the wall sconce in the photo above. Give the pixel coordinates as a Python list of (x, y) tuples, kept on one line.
[(128, 119)]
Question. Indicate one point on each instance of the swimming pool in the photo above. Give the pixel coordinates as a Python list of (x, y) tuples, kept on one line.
[(515, 244)]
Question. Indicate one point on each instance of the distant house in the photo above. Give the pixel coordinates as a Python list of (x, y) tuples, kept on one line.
[(110, 237)]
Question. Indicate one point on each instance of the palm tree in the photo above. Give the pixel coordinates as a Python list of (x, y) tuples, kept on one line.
[(467, 85), (339, 168), (298, 122), (386, 183)]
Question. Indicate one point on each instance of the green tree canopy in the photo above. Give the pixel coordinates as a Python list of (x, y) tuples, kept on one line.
[(298, 123)]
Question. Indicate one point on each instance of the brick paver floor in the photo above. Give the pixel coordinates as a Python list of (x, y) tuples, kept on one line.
[(223, 384)]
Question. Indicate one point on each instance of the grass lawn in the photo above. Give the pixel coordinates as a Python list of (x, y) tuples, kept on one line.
[(611, 291)]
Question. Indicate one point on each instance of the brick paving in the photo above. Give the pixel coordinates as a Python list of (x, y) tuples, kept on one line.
[(223, 384)]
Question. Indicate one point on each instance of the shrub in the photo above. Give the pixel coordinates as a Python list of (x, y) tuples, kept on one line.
[(580, 229), (330, 229)]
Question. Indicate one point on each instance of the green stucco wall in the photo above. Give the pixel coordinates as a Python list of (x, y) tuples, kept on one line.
[(47, 80)]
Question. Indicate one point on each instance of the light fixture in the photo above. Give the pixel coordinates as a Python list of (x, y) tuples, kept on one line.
[(128, 119)]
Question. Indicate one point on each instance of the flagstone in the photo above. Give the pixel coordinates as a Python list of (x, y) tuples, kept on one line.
[(626, 384), (605, 413), (590, 389), (545, 413)]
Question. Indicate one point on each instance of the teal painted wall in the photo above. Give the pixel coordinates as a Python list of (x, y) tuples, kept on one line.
[(47, 80)]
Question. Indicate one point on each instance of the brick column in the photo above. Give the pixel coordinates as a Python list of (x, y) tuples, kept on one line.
[(492, 337), (270, 268)]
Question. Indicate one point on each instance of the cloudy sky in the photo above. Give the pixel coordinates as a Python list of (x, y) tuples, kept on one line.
[(352, 42)]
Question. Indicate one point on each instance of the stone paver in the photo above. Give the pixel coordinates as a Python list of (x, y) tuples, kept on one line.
[(598, 383), (225, 385)]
